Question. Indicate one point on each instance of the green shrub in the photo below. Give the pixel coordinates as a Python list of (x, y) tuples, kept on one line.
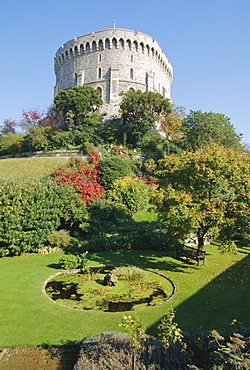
[(30, 210), (86, 148), (133, 241), (228, 247), (129, 273), (105, 216), (133, 193), (11, 144), (113, 168), (69, 262), (59, 239)]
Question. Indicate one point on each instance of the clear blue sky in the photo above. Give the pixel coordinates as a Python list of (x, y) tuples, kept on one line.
[(207, 42)]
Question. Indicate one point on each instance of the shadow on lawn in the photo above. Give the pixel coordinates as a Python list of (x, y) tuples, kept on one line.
[(225, 298), (143, 259), (66, 353), (164, 260)]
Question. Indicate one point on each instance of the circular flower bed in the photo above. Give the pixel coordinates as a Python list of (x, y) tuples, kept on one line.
[(109, 288)]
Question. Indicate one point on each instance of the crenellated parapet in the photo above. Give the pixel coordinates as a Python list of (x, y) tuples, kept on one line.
[(113, 60)]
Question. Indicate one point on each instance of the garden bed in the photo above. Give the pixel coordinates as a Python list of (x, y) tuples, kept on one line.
[(85, 290)]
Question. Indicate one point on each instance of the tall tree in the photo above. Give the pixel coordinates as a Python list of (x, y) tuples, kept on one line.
[(8, 127), (171, 123), (75, 104), (140, 111), (202, 129), (204, 191)]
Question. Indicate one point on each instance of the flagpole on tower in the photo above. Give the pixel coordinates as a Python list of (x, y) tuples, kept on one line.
[(114, 25)]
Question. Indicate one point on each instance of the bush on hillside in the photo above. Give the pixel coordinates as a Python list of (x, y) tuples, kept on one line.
[(82, 176), (131, 192), (113, 168), (59, 239), (30, 210)]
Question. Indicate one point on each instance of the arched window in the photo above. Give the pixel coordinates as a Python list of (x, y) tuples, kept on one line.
[(81, 49), (99, 89), (114, 43), (131, 89), (135, 43), (100, 45), (148, 49), (128, 44), (142, 47), (76, 51), (71, 53), (121, 42), (62, 58), (153, 52), (87, 48), (93, 46), (99, 72), (107, 44), (131, 73), (67, 54)]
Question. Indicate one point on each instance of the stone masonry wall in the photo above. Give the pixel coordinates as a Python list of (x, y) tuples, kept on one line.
[(111, 61)]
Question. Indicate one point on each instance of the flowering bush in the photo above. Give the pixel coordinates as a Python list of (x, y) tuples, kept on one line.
[(83, 177)]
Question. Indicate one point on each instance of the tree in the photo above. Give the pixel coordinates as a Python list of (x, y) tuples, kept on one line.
[(31, 119), (140, 111), (204, 191), (171, 123), (82, 176), (8, 127), (202, 129), (75, 104)]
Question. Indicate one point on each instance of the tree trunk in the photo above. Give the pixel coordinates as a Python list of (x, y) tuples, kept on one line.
[(201, 243)]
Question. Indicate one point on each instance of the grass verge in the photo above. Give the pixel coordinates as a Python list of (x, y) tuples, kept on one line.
[(39, 168), (209, 296)]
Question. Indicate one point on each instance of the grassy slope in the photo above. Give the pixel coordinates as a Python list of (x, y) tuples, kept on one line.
[(210, 296), (36, 167)]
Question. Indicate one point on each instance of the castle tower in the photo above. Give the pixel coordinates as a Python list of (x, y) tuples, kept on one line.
[(111, 61)]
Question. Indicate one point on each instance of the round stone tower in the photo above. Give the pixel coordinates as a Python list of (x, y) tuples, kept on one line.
[(111, 61)]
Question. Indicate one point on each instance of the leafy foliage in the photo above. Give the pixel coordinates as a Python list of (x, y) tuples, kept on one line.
[(30, 210), (59, 239), (8, 127), (74, 105), (82, 176), (113, 168), (140, 111), (169, 332), (204, 191), (202, 129), (131, 192)]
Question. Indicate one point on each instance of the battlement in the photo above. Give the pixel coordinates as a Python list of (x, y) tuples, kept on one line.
[(113, 60)]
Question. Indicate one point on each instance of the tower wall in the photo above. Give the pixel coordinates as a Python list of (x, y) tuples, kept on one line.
[(111, 61)]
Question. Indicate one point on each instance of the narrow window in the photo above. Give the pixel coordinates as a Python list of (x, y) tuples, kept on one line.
[(100, 45), (131, 74), (100, 57), (132, 58), (75, 79), (99, 73), (99, 89)]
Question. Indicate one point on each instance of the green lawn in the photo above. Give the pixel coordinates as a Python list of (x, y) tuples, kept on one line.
[(13, 168), (210, 296)]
